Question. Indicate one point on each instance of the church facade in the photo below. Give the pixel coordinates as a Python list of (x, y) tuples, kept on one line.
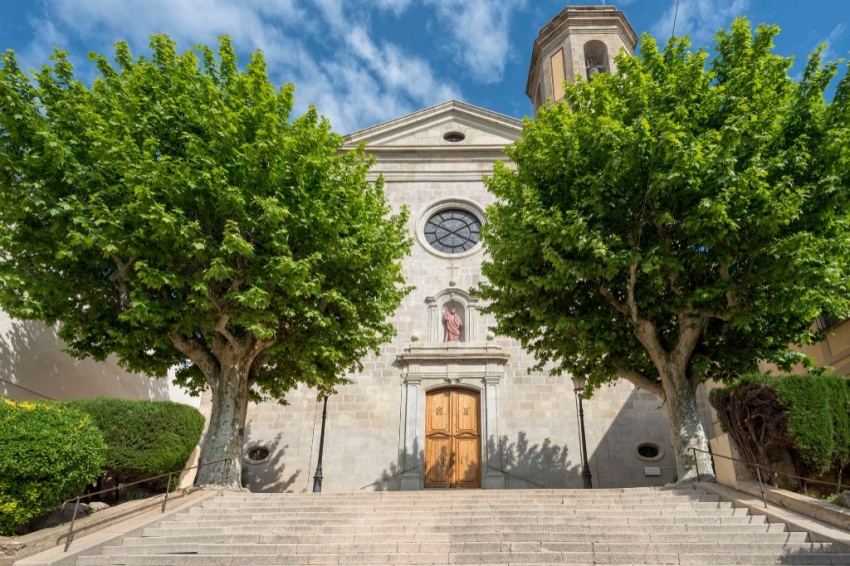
[(447, 404)]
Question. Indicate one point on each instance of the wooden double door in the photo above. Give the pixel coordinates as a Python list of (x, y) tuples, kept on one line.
[(452, 438)]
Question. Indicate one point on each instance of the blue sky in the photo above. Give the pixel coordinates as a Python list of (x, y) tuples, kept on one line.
[(362, 62)]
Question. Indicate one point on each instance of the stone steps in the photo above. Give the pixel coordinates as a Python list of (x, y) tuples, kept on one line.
[(490, 559), (153, 539), (388, 498), (626, 527), (466, 508), (468, 547), (442, 514), (409, 532)]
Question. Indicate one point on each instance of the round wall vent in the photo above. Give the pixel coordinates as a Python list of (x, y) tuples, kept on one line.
[(257, 455), (649, 451), (454, 137)]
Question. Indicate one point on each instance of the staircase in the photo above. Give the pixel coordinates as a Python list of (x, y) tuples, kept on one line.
[(613, 526)]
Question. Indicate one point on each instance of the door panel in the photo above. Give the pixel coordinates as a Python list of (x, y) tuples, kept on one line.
[(438, 413), (466, 466), (452, 439), (438, 465), (466, 411)]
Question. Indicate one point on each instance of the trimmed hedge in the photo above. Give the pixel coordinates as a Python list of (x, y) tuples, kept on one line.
[(808, 414), (49, 452), (144, 438)]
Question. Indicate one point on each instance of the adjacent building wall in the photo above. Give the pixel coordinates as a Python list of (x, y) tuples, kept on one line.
[(33, 366)]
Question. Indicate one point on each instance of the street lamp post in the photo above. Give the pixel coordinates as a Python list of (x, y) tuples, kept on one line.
[(579, 384), (317, 479)]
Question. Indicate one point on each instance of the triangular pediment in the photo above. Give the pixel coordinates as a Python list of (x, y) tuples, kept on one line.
[(427, 129)]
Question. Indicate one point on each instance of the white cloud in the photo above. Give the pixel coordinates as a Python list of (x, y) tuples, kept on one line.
[(395, 6), (357, 84), (398, 70), (833, 37), (700, 19), (480, 33), (38, 53)]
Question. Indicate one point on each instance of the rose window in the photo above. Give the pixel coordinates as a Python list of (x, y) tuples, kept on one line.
[(452, 231)]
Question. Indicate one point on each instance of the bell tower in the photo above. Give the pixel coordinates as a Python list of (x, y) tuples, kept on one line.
[(579, 41)]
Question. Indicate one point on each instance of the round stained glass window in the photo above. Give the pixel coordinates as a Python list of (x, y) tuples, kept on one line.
[(452, 231)]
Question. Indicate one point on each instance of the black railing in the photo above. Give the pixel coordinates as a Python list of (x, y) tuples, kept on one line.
[(169, 475), (759, 468)]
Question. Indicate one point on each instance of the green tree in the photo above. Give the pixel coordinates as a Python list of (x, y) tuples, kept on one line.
[(174, 211), (676, 221)]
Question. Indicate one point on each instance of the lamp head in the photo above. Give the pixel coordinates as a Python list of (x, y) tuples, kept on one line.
[(579, 383)]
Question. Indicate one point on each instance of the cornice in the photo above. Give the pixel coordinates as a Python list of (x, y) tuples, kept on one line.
[(411, 122), (447, 353)]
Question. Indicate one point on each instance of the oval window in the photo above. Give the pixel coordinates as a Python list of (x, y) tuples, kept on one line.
[(649, 451), (257, 454), (454, 137)]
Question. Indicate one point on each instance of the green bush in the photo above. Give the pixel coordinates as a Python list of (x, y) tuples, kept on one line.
[(49, 452), (144, 438), (808, 414)]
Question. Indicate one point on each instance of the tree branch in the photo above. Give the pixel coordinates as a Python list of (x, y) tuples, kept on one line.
[(645, 330), (691, 327), (258, 364), (605, 292), (694, 378), (640, 380), (236, 284), (708, 313), (221, 328), (630, 300), (119, 279), (197, 352), (668, 240), (216, 300), (731, 301)]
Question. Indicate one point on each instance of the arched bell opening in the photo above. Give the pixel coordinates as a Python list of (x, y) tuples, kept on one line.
[(596, 59)]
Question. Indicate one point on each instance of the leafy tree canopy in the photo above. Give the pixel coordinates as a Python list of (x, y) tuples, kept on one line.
[(677, 220), (176, 210)]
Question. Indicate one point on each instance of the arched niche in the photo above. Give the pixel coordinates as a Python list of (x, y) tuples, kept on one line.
[(460, 310), (596, 59), (466, 308)]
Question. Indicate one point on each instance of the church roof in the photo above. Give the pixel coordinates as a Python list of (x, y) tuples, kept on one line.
[(419, 130)]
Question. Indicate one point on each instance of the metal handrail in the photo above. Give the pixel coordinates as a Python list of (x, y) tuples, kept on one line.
[(170, 475), (758, 468)]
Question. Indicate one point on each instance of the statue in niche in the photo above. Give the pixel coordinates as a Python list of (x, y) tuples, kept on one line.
[(453, 325)]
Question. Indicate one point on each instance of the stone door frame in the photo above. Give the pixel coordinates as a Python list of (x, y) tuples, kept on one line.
[(434, 366)]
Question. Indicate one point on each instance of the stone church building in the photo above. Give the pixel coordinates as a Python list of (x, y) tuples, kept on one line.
[(448, 404)]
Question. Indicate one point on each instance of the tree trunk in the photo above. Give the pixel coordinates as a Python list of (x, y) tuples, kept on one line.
[(226, 432), (686, 428)]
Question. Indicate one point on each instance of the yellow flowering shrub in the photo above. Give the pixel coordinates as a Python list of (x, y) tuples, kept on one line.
[(48, 453)]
